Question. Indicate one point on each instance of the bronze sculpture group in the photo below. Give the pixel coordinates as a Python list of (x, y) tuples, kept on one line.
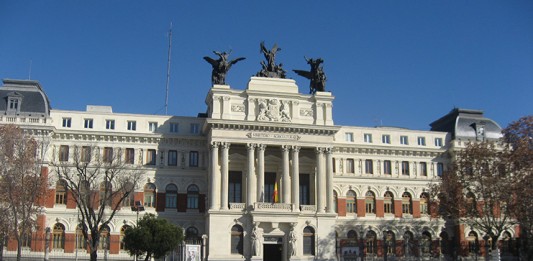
[(269, 68)]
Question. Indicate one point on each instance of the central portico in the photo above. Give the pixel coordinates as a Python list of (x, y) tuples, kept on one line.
[(269, 139)]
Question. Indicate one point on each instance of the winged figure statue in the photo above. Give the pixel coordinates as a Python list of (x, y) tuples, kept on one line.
[(316, 75), (221, 66)]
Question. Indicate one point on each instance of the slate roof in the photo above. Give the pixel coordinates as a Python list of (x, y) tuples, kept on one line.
[(34, 100)]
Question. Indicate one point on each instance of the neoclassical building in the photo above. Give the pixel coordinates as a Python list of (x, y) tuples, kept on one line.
[(265, 174)]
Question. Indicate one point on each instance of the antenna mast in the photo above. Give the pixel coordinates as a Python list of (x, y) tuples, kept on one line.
[(168, 66)]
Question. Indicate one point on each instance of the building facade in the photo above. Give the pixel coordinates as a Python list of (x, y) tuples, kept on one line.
[(265, 174)]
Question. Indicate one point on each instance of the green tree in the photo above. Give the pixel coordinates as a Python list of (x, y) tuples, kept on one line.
[(152, 237)]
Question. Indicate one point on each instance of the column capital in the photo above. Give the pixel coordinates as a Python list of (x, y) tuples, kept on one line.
[(261, 146), (319, 150), (296, 148), (225, 145), (214, 144), (328, 150), (250, 146), (285, 148)]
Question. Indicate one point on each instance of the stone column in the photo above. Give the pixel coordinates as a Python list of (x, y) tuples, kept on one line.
[(214, 201), (296, 178), (285, 175), (250, 187), (261, 172), (224, 174), (320, 192), (329, 181)]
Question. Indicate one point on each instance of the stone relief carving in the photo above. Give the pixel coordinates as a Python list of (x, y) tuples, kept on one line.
[(306, 112), (273, 110), (237, 108)]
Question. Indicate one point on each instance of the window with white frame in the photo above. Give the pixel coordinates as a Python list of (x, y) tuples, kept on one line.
[(423, 169), (150, 157), (422, 141), (67, 122), (171, 196), (385, 139), (351, 198), (438, 142), (149, 195), (110, 124), (195, 128), (348, 136), (369, 166), (132, 125), (350, 166), (387, 167), (193, 159), (152, 126), (440, 169), (405, 167), (172, 157), (88, 123), (404, 140), (388, 200), (174, 127), (14, 104), (368, 137)]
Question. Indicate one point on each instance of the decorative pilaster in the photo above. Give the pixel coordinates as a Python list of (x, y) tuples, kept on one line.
[(261, 172), (214, 202), (286, 189), (225, 175), (295, 178), (320, 180), (250, 187), (329, 181)]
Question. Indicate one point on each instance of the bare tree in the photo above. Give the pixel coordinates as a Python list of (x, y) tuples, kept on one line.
[(476, 189), (22, 183), (519, 136), (99, 180)]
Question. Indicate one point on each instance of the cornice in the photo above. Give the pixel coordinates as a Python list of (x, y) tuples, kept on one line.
[(272, 127), (394, 151)]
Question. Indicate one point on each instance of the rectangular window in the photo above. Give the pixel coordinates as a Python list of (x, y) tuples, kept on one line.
[(369, 166), (404, 140), (348, 136), (195, 128), (235, 187), (405, 168), (13, 104), (421, 141), (385, 139), (387, 167), (108, 154), (132, 125), (349, 166), (110, 124), (368, 138), (88, 123), (440, 169), (270, 179), (174, 127), (150, 157), (193, 159), (438, 142), (173, 158), (305, 198), (130, 156), (63, 153), (423, 169), (85, 154), (67, 122), (152, 126)]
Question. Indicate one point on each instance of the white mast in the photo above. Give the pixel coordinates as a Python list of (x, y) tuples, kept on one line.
[(168, 66)]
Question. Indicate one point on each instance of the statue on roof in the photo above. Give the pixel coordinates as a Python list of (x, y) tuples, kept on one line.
[(221, 66), (270, 69), (316, 75)]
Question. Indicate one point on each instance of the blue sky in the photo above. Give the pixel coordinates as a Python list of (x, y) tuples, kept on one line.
[(392, 63)]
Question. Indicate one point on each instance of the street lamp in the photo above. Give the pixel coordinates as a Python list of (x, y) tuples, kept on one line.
[(137, 207)]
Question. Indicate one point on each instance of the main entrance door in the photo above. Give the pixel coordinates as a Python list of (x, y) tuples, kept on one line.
[(272, 252)]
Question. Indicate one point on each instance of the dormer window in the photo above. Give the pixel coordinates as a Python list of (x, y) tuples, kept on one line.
[(14, 101)]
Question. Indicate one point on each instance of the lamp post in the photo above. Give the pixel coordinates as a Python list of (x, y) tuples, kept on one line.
[(137, 207)]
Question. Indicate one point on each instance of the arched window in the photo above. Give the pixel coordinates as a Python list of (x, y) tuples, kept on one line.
[(61, 192), (424, 200), (309, 241), (351, 206), (506, 242), (388, 200), (26, 240), (470, 202), (191, 235), (192, 197), (444, 243), (149, 195), (390, 242), (122, 234), (129, 201), (473, 243), (352, 236), (370, 202), (371, 241), (408, 244), (171, 194), (104, 238), (406, 203), (58, 236), (425, 244), (106, 192), (236, 240), (80, 243)]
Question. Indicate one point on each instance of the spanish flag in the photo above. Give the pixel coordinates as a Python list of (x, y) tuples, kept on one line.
[(275, 197)]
